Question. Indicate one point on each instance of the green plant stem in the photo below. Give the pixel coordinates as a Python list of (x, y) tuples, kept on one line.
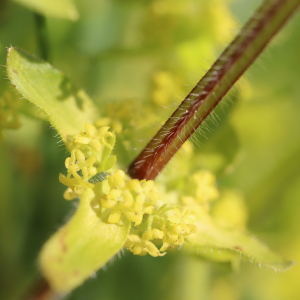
[(209, 91), (41, 291), (42, 36)]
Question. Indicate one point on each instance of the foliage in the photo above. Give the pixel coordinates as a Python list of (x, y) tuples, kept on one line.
[(129, 119)]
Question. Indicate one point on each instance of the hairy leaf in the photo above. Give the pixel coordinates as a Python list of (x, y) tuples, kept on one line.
[(63, 9), (67, 107), (221, 244), (80, 247)]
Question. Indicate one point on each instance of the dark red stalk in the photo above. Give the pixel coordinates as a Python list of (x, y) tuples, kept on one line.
[(209, 91)]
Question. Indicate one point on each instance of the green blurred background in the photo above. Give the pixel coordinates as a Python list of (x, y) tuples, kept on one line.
[(137, 59)]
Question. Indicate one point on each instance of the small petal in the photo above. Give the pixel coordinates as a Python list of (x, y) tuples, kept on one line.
[(64, 180), (101, 132), (91, 161), (69, 194), (137, 250), (96, 145), (79, 155), (148, 235), (93, 171), (151, 247), (128, 199), (82, 140), (148, 186), (117, 179), (134, 238), (90, 129), (134, 185), (108, 203), (149, 210), (114, 194), (115, 217), (105, 188), (68, 162)]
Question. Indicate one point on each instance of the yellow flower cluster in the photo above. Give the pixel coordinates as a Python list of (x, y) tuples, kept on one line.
[(169, 228), (90, 155), (114, 123), (96, 139), (139, 202), (165, 86), (203, 185), (178, 226), (118, 195), (142, 245), (76, 183), (206, 190), (133, 198)]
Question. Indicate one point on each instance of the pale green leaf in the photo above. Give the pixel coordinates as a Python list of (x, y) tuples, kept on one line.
[(110, 162), (67, 107), (63, 9), (80, 247), (221, 244)]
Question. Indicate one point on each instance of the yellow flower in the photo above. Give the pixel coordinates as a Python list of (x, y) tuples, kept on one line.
[(93, 137), (178, 226), (132, 198), (206, 190), (139, 246)]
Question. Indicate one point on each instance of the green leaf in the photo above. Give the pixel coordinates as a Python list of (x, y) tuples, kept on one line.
[(109, 163), (63, 9), (80, 247), (221, 244), (67, 107)]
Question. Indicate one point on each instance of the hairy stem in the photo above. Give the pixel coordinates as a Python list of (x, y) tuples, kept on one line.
[(208, 92)]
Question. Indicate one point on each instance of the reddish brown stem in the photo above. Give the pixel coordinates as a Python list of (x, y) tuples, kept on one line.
[(209, 91), (41, 290)]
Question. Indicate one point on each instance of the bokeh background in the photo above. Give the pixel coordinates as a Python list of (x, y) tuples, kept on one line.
[(137, 59)]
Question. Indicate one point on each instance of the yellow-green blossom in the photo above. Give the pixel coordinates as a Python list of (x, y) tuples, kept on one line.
[(206, 190), (118, 196), (90, 155), (178, 226), (96, 139), (141, 246), (132, 198)]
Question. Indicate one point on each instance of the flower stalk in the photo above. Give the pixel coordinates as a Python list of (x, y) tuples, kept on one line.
[(210, 90)]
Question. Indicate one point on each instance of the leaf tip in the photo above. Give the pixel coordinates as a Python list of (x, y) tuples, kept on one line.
[(9, 49)]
